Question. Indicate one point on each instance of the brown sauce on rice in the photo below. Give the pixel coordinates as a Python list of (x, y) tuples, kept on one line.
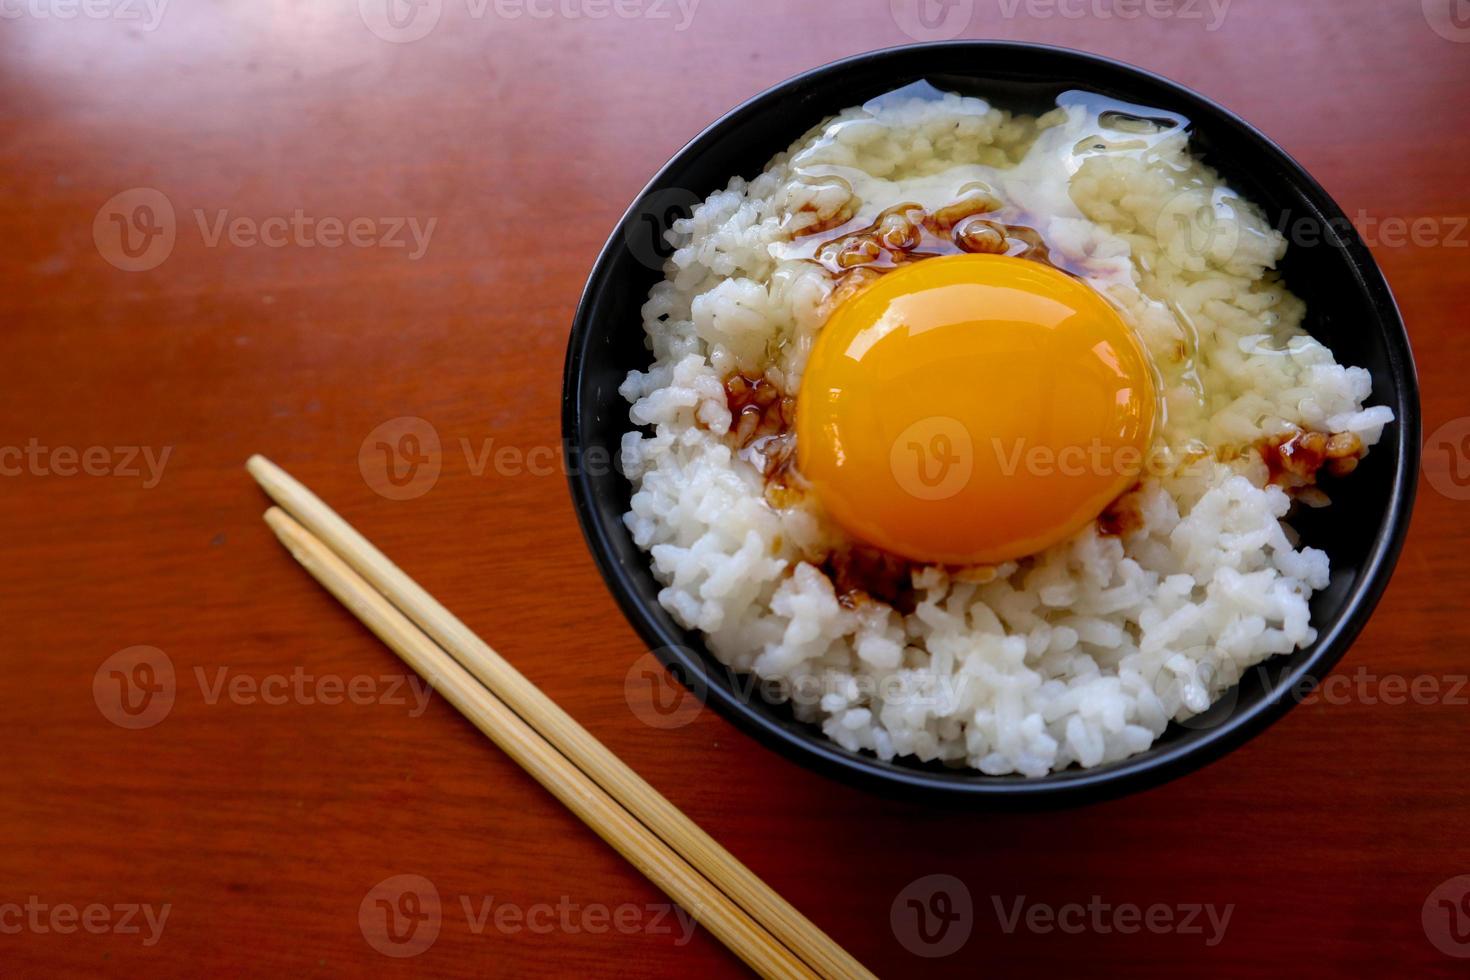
[(1296, 459)]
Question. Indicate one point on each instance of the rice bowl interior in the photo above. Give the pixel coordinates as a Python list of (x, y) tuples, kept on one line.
[(1081, 653)]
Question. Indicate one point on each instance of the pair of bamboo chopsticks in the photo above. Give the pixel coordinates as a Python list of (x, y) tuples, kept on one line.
[(725, 896)]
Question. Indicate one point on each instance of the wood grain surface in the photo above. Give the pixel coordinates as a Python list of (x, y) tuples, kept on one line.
[(272, 804)]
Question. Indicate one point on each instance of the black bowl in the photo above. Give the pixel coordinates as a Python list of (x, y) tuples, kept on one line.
[(1350, 309)]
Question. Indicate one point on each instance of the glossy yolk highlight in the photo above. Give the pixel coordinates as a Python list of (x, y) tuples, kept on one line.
[(972, 409)]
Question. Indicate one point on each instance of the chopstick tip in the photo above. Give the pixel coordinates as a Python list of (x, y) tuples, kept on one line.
[(286, 530)]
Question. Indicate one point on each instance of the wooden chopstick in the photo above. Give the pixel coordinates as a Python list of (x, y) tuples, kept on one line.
[(666, 869), (589, 755)]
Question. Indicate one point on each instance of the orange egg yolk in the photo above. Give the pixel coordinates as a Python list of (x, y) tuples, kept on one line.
[(971, 409)]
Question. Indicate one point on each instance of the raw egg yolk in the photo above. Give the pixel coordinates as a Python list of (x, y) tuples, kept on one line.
[(971, 409)]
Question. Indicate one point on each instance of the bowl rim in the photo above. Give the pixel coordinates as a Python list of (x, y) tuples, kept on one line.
[(807, 745)]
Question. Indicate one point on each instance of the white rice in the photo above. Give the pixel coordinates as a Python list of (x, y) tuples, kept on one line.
[(1081, 654)]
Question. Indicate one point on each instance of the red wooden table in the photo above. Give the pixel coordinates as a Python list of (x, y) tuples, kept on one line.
[(378, 217)]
